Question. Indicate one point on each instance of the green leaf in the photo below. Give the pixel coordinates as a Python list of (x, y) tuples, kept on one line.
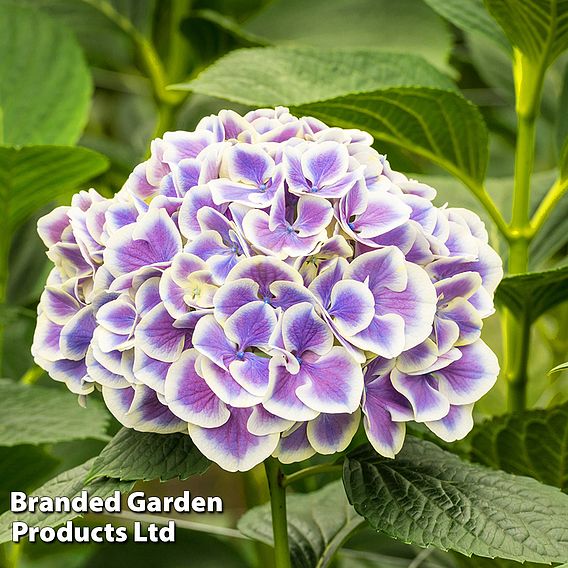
[(429, 497), (478, 562), (45, 85), (399, 99), (471, 16), (22, 468), (135, 456), (530, 295), (440, 126), (539, 28), (38, 415), (68, 484), (318, 524), (34, 176), (532, 443), (404, 26), (297, 76)]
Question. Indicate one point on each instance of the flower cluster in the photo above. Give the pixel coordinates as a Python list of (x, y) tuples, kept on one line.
[(264, 283)]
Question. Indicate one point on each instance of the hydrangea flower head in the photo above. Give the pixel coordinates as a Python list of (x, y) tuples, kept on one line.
[(264, 284)]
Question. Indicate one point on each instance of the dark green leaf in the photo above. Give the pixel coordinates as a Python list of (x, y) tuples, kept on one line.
[(22, 468), (539, 28), (471, 16), (229, 25), (135, 456), (530, 295), (69, 484), (45, 86), (34, 176), (532, 443), (38, 415), (429, 497), (318, 524), (404, 26), (370, 90)]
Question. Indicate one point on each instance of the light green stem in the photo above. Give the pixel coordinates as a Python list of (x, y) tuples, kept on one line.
[(309, 471), (278, 507), (548, 204), (528, 82), (10, 554), (149, 58), (179, 49)]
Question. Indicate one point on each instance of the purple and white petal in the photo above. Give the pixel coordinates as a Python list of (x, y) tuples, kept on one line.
[(189, 397), (157, 336), (233, 295), (77, 334), (294, 446), (223, 384), (231, 445), (303, 330), (262, 422), (152, 241), (281, 399), (331, 433), (422, 392), (456, 425), (335, 382), (470, 377)]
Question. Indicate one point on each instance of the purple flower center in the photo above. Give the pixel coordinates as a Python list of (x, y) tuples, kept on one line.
[(240, 355)]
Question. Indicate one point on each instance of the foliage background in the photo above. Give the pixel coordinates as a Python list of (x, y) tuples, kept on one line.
[(89, 79)]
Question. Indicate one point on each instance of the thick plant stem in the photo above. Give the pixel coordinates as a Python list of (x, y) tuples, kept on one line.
[(528, 82), (278, 507)]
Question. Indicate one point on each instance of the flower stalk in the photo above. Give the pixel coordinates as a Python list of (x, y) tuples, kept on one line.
[(528, 82), (278, 508)]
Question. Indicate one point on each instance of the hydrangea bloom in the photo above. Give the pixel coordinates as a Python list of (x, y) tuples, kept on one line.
[(264, 283)]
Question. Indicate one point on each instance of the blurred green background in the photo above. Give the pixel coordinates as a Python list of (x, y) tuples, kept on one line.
[(94, 73)]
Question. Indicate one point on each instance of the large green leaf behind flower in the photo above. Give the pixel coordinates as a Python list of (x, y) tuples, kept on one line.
[(45, 85)]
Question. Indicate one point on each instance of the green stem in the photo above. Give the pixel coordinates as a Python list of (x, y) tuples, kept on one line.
[(5, 242), (166, 119), (256, 493), (529, 77), (492, 210), (179, 49), (147, 53), (312, 470), (10, 554), (278, 507), (548, 204)]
